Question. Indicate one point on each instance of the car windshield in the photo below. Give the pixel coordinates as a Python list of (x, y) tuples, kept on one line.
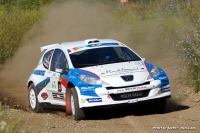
[(101, 56)]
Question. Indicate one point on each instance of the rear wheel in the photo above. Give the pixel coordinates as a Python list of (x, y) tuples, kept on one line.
[(77, 113), (33, 100)]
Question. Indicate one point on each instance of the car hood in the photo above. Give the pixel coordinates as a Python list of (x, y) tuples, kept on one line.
[(111, 73)]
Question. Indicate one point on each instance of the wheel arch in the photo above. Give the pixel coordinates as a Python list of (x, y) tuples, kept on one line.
[(28, 85)]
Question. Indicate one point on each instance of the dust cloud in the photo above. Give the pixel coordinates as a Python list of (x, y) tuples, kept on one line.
[(69, 21)]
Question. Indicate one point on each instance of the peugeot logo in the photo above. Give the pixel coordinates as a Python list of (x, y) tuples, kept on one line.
[(127, 78)]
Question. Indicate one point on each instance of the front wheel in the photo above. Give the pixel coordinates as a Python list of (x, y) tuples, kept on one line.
[(33, 100), (77, 113)]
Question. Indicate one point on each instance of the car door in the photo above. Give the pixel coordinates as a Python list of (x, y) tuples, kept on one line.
[(57, 83)]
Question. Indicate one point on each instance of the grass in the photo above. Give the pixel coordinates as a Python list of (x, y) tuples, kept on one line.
[(8, 124)]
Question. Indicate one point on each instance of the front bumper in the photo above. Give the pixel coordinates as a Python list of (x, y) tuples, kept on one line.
[(121, 95)]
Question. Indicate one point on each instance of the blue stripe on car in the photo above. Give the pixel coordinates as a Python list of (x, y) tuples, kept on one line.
[(43, 82), (85, 88)]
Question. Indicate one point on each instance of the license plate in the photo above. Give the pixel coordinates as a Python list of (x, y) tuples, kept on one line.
[(131, 95)]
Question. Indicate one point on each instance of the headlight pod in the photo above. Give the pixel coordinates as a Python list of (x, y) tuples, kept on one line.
[(153, 73), (91, 80)]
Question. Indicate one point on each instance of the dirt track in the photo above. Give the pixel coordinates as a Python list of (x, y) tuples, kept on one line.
[(127, 120), (61, 25)]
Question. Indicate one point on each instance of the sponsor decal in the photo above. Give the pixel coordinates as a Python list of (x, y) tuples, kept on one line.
[(93, 100), (60, 84), (121, 44), (120, 90), (58, 96), (55, 76), (122, 70), (44, 95), (108, 97), (39, 72), (141, 87), (84, 88), (165, 89), (163, 77), (130, 88), (93, 45), (133, 101), (131, 95), (54, 84), (88, 89), (72, 77), (139, 63), (101, 44)]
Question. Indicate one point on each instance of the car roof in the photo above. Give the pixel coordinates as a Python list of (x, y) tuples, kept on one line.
[(69, 45)]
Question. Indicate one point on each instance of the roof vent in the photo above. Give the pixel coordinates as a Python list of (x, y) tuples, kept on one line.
[(88, 41)]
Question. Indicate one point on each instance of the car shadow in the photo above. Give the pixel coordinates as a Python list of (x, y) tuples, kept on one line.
[(123, 111), (136, 110)]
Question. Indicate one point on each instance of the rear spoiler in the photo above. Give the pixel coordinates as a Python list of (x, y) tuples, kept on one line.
[(47, 46)]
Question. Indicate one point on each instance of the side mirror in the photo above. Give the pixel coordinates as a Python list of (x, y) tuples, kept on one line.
[(62, 71), (58, 70), (65, 70)]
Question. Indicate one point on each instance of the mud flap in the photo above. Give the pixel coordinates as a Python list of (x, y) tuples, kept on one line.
[(67, 101)]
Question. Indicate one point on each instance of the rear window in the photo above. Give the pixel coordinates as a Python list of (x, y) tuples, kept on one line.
[(46, 59), (101, 56)]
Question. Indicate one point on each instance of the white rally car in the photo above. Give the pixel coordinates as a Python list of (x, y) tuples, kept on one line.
[(83, 75)]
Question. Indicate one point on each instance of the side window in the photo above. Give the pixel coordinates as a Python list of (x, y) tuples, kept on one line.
[(59, 60), (46, 59)]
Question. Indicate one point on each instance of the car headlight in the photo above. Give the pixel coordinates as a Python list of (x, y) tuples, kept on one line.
[(153, 73), (91, 80)]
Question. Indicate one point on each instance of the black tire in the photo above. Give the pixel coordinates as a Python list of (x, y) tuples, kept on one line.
[(160, 106), (34, 104), (77, 113)]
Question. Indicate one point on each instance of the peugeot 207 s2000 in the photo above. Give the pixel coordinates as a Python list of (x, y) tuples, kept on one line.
[(82, 75)]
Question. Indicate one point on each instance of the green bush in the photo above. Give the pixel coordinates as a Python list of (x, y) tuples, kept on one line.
[(14, 24), (16, 18), (186, 48)]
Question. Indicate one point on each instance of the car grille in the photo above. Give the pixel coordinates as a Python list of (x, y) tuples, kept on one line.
[(130, 95), (127, 78), (110, 88)]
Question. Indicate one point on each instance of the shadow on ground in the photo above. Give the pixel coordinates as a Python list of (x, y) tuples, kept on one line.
[(119, 112), (137, 110)]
